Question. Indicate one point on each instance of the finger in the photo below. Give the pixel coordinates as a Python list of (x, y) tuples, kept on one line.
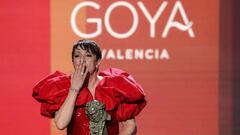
[(83, 70), (72, 76), (76, 68), (80, 67)]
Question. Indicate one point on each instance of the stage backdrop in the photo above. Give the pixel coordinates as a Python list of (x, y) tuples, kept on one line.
[(169, 46)]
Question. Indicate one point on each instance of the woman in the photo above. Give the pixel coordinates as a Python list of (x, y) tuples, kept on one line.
[(88, 101)]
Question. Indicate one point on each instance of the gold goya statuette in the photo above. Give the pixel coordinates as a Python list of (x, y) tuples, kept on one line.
[(95, 111)]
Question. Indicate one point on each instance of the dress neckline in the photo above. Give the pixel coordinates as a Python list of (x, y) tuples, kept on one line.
[(96, 88)]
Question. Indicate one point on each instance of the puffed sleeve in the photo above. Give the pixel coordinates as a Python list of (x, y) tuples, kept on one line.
[(51, 92), (128, 94)]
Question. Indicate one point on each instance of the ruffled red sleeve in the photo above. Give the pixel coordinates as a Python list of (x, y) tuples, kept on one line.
[(128, 94), (51, 92)]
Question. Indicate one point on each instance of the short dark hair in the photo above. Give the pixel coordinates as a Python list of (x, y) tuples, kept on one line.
[(89, 46)]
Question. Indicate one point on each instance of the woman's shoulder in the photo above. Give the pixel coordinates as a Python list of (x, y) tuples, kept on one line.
[(54, 77), (123, 83), (55, 82), (126, 92), (113, 73), (51, 92)]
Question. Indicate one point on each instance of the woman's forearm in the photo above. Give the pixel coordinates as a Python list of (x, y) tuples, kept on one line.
[(64, 114)]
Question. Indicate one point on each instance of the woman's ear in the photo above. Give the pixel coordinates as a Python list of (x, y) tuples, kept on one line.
[(98, 64)]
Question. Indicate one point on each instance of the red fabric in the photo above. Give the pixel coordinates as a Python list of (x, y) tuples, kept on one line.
[(121, 94)]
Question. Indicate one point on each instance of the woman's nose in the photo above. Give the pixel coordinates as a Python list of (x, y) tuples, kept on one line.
[(82, 60)]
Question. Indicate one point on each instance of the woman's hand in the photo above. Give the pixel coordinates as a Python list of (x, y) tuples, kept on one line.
[(79, 75), (129, 127)]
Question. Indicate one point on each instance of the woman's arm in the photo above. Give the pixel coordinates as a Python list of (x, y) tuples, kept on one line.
[(64, 115), (129, 127)]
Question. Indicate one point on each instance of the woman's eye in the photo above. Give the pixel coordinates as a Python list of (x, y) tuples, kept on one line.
[(76, 56), (89, 55)]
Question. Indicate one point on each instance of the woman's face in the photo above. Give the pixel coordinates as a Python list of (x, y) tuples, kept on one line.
[(88, 59)]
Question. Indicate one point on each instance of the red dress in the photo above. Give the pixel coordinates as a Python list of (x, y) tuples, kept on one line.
[(122, 95)]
